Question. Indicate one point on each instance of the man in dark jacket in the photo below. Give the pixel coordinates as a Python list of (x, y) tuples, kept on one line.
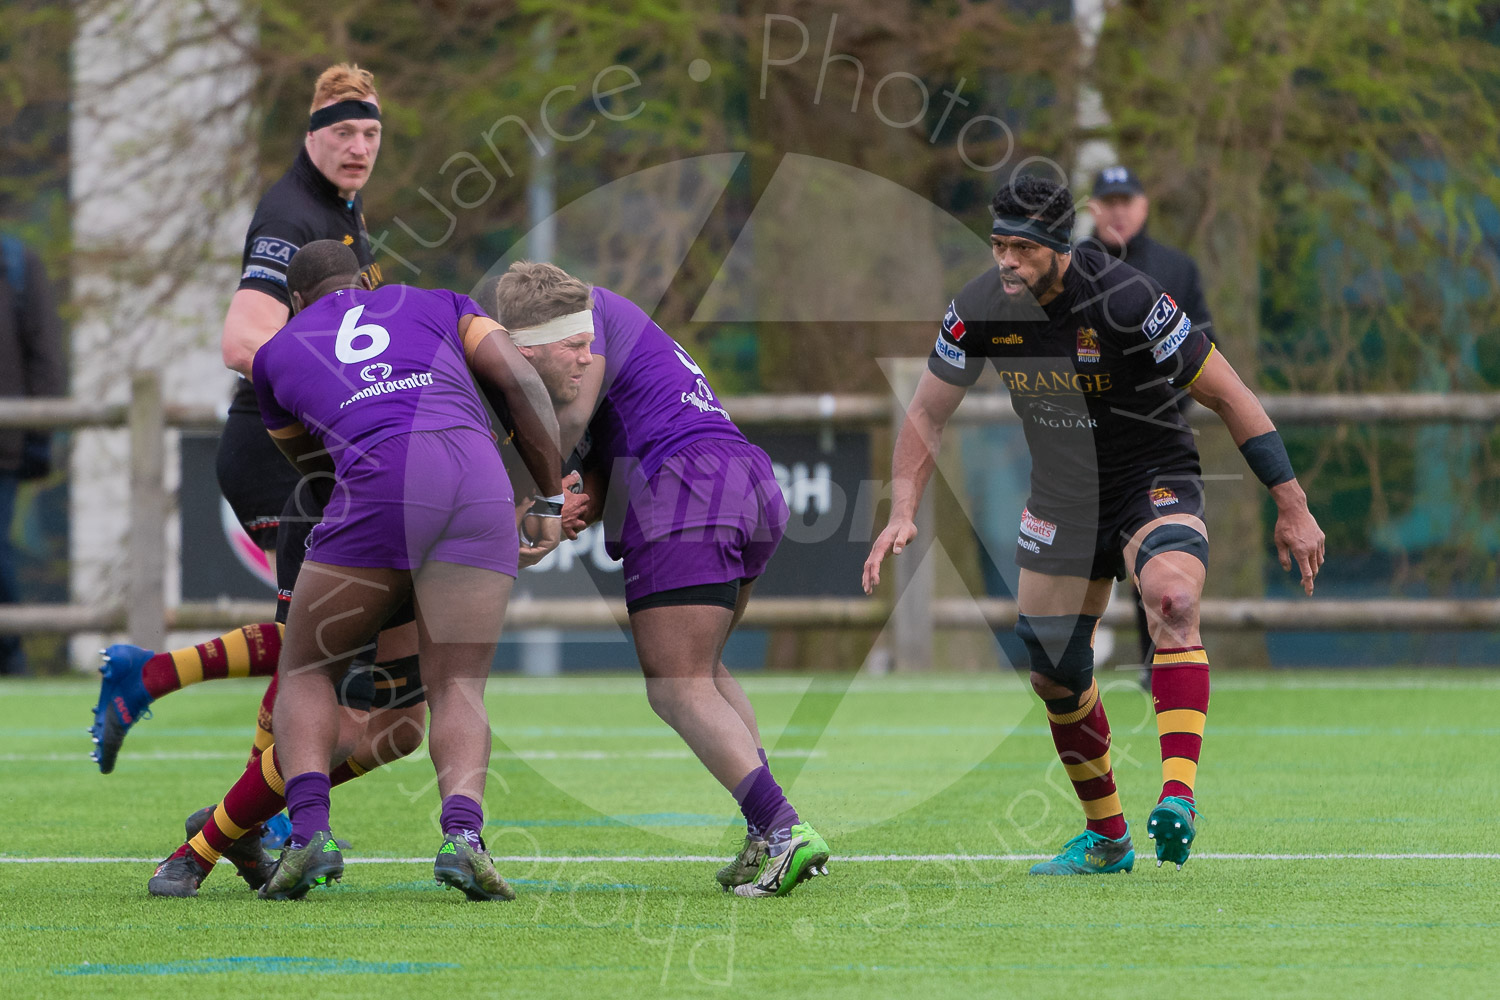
[(1119, 206), (31, 364)]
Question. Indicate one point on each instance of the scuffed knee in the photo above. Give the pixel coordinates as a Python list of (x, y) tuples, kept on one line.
[(1178, 609)]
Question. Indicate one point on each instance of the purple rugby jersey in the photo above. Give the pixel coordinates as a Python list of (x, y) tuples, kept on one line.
[(358, 367), (655, 397)]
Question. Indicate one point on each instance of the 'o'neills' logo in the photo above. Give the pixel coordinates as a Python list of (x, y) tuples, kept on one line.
[(1009, 338)]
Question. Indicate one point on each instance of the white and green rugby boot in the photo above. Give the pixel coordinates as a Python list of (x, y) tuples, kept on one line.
[(745, 865), (806, 855), (1091, 853)]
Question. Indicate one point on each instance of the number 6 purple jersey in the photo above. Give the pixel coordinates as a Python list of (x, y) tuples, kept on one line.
[(358, 367)]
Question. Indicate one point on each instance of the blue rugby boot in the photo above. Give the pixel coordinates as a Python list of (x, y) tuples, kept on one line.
[(1091, 853), (277, 829), (1173, 826), (122, 703)]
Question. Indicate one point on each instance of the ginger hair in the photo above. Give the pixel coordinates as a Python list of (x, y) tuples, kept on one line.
[(344, 82)]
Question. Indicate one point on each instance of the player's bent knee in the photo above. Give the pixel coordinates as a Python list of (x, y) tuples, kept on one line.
[(1061, 648)]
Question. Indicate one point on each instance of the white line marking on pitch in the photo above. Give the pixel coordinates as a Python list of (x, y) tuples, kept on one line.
[(594, 859), (682, 754)]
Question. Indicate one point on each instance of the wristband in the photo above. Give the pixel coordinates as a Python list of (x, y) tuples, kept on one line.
[(1267, 458), (547, 506)]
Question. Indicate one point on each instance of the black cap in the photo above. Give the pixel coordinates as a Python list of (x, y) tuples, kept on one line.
[(1117, 180)]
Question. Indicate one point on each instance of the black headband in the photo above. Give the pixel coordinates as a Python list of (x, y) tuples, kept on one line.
[(341, 112), (1029, 229)]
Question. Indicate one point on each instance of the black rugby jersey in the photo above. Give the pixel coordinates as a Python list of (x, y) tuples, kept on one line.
[(1093, 374), (301, 207)]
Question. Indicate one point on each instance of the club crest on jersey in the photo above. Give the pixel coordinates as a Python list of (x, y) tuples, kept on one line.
[(1034, 527), (1088, 344), (955, 356), (952, 325), (271, 249), (1156, 320), (1162, 497), (348, 240)]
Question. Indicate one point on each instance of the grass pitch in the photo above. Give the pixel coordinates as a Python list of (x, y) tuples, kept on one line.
[(1329, 801)]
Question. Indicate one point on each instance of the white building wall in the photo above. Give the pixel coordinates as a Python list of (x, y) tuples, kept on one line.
[(162, 157)]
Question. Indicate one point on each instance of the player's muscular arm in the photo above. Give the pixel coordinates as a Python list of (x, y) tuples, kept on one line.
[(501, 371), (253, 318), (917, 445), (1298, 537), (306, 453), (1220, 388)]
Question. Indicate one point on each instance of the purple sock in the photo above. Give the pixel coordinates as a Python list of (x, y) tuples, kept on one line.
[(751, 829), (463, 817), (307, 802), (765, 807)]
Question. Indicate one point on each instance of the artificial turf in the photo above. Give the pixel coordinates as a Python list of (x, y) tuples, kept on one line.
[(957, 769)]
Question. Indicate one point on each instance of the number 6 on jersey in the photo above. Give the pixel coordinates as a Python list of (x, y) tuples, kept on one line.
[(350, 331)]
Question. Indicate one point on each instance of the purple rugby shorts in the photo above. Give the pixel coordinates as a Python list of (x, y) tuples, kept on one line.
[(712, 513), (425, 496)]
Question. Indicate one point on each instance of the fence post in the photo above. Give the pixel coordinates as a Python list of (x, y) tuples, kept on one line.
[(911, 619), (145, 607)]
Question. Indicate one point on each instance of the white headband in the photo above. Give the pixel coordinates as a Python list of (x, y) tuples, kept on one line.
[(554, 330)]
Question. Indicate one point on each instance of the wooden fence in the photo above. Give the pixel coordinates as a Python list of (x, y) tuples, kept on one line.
[(143, 614)]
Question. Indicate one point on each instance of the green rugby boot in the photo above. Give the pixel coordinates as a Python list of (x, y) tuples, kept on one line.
[(745, 865), (471, 871), (1172, 825), (806, 856), (299, 869), (1091, 853)]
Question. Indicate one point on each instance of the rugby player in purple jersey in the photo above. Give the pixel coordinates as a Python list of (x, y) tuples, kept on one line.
[(693, 510), (374, 388)]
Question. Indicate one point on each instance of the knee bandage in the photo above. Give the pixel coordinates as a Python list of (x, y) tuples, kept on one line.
[(1061, 648), (1172, 537)]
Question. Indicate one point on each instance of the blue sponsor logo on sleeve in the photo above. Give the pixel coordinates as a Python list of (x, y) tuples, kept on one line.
[(271, 249), (264, 274), (1161, 312), (1168, 347), (955, 356)]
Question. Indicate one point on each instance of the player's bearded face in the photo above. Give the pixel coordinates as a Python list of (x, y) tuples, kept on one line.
[(1026, 266), (561, 367)]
